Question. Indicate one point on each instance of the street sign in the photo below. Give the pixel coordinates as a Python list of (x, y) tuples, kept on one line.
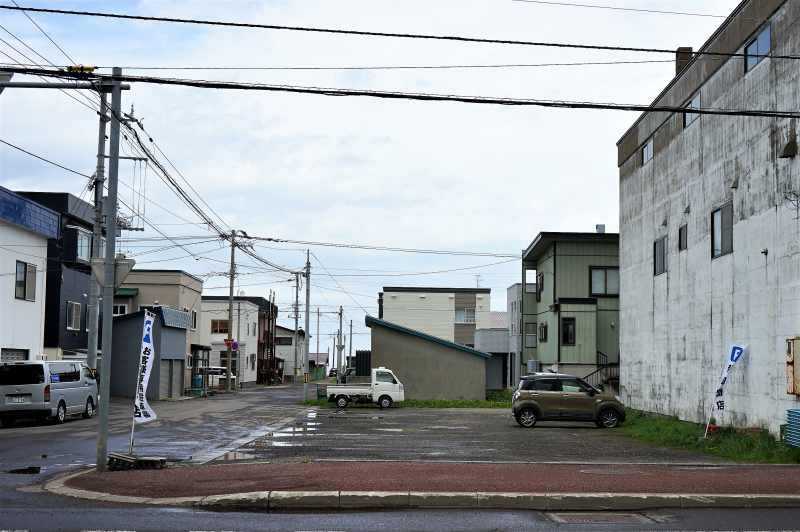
[(122, 267)]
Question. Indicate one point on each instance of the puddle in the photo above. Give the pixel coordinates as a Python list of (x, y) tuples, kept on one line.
[(284, 444), (447, 427), (390, 430), (30, 470), (236, 455)]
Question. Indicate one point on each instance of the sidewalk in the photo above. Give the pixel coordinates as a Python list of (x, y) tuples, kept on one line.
[(328, 485)]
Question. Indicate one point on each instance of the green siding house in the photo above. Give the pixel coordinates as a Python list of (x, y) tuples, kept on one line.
[(571, 319)]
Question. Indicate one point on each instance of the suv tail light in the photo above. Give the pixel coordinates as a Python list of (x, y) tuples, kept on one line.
[(47, 394)]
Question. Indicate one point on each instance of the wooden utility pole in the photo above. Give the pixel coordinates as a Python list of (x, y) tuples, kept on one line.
[(232, 274)]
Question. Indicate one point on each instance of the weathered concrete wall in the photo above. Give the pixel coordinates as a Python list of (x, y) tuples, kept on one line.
[(677, 327), (429, 370)]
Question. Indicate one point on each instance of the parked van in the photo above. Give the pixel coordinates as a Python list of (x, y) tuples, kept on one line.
[(46, 390)]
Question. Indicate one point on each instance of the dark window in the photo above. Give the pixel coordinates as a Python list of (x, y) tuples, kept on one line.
[(384, 376), (694, 103), (757, 49), (567, 331), (73, 316), (16, 374), (119, 310), (283, 340), (194, 320), (605, 281), (542, 332), (660, 256), (25, 281), (539, 286), (64, 372), (219, 326), (530, 335), (546, 385), (683, 240), (722, 231), (647, 151)]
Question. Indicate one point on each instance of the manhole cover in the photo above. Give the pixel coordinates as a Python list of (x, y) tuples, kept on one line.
[(607, 518)]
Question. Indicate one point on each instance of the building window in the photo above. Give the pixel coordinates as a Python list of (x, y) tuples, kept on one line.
[(84, 251), (694, 103), (194, 320), (530, 335), (722, 231), (283, 340), (647, 150), (660, 256), (683, 239), (465, 315), (605, 281), (219, 326), (73, 316), (255, 329), (567, 331), (539, 286), (14, 355), (25, 281), (119, 310), (757, 49), (542, 332)]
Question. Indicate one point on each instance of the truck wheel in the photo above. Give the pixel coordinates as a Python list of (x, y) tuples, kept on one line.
[(385, 401), (341, 401)]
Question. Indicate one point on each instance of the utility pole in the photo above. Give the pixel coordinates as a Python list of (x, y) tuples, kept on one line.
[(231, 275), (238, 337), (329, 362), (350, 355), (296, 320), (104, 402), (308, 329), (92, 310), (339, 346)]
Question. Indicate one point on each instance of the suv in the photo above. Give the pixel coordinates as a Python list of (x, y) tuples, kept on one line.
[(554, 396)]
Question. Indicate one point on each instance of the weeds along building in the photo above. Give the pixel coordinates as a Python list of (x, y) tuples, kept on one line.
[(709, 228)]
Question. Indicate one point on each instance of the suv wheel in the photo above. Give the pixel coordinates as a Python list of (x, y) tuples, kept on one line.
[(526, 418), (89, 411), (608, 419), (61, 413)]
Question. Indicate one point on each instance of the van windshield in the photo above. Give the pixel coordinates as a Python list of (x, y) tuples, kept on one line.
[(12, 374)]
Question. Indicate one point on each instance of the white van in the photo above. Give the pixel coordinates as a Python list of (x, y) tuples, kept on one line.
[(46, 390)]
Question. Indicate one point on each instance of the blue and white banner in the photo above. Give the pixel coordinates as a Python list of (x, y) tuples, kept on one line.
[(142, 413), (734, 355)]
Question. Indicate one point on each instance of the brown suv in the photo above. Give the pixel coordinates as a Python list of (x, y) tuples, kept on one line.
[(554, 396)]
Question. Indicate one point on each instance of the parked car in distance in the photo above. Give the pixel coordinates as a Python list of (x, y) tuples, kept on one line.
[(333, 372), (559, 397), (46, 390), (384, 389)]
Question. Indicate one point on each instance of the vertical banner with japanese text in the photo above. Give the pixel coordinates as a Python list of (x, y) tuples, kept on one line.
[(734, 355), (142, 412)]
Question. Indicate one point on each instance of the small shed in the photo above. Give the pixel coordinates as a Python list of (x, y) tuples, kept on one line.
[(169, 343), (429, 367)]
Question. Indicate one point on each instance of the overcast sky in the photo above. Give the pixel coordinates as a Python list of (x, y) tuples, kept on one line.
[(394, 173)]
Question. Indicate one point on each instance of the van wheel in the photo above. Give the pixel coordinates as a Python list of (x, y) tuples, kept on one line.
[(341, 401), (6, 421), (89, 410), (61, 413), (608, 419), (526, 418), (385, 401)]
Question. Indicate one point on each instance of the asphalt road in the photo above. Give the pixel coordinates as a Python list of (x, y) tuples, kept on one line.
[(450, 434)]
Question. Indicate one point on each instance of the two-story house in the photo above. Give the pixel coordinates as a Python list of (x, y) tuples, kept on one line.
[(214, 327), (290, 361), (25, 228), (452, 314), (572, 318), (68, 275)]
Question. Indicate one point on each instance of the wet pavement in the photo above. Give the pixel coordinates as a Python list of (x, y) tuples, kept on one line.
[(449, 435)]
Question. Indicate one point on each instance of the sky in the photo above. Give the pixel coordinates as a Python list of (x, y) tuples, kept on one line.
[(446, 176)]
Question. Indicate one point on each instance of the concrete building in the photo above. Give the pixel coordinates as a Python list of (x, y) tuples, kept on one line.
[(571, 322), (25, 227), (452, 314), (515, 327), (68, 275), (214, 331), (710, 238), (167, 380), (428, 366), (285, 352), (175, 289)]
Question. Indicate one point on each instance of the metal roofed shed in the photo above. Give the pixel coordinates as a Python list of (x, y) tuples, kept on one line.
[(429, 367)]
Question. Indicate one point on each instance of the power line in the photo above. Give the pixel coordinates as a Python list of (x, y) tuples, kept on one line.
[(44, 33), (431, 97), (616, 8), (48, 161), (411, 274), (362, 33), (387, 248)]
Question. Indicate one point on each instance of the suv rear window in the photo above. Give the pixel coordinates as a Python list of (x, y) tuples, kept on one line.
[(541, 385), (14, 374)]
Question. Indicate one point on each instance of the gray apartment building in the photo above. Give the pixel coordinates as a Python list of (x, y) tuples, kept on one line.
[(709, 230)]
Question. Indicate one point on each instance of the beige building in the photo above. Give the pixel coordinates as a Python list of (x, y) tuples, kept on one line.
[(451, 314)]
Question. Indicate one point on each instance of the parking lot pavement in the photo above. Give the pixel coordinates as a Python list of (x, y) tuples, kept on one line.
[(196, 429), (449, 434)]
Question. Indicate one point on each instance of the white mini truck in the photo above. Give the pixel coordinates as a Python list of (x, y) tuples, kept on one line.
[(384, 389)]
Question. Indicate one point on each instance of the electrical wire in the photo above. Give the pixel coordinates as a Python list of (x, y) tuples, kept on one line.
[(45, 33), (616, 8), (338, 284), (431, 97), (388, 248), (362, 33), (48, 161)]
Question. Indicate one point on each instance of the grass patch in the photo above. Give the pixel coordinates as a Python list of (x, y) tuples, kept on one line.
[(755, 446)]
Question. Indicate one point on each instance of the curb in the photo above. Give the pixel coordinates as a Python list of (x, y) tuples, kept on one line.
[(277, 501)]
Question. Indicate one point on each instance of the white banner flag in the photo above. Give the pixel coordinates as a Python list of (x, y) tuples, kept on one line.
[(736, 353), (142, 413)]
